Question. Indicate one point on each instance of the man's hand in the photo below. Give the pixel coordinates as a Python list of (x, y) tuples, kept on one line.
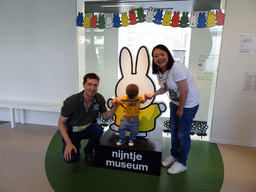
[(68, 150), (115, 101), (69, 145)]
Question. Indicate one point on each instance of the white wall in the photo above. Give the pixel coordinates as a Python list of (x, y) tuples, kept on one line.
[(234, 116), (39, 63), (38, 52)]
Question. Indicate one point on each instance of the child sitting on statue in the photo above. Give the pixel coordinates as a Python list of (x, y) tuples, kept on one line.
[(130, 120)]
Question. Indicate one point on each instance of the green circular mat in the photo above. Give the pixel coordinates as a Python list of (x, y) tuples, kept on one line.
[(205, 172)]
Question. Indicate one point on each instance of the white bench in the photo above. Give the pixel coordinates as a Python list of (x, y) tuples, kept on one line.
[(27, 105)]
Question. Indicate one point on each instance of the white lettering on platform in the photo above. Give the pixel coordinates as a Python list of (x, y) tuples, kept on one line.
[(132, 155), (126, 156), (127, 165)]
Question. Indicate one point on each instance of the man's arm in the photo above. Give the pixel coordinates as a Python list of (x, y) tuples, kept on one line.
[(63, 130), (111, 112), (116, 101)]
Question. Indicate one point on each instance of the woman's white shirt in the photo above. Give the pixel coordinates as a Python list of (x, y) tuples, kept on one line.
[(168, 80)]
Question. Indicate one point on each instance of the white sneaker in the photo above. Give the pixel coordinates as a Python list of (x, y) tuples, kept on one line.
[(120, 142), (168, 161), (130, 143), (176, 168)]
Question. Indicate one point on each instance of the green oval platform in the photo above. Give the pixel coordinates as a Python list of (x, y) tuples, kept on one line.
[(205, 172)]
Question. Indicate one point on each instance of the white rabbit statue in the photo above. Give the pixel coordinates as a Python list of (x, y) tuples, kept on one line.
[(137, 74)]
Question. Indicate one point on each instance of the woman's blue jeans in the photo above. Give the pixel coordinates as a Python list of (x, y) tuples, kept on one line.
[(180, 132)]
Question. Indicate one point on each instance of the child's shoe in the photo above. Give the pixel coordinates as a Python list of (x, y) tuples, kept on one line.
[(131, 143), (120, 142)]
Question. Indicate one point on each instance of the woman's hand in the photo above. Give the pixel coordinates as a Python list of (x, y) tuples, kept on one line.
[(159, 92), (149, 96), (179, 112)]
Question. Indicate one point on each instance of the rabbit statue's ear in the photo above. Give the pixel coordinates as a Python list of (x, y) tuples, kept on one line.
[(142, 61), (145, 83), (125, 65), (125, 62)]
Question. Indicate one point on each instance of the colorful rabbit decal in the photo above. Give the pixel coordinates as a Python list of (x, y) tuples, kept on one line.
[(137, 74), (158, 17), (193, 20), (87, 20), (201, 20), (141, 15), (184, 22), (93, 21), (167, 18), (125, 19), (150, 15), (133, 18), (116, 20), (220, 17), (79, 19), (102, 22), (211, 22), (175, 19)]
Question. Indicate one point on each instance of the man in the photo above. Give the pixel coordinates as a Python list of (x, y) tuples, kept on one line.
[(78, 120)]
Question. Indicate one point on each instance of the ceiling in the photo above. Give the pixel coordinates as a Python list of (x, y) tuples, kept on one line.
[(116, 6)]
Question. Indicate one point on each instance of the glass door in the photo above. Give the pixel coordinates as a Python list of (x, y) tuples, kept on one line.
[(197, 48)]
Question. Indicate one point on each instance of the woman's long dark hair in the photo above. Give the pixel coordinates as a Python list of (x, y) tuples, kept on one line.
[(155, 68)]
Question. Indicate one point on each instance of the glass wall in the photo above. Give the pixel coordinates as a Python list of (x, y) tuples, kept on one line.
[(198, 49)]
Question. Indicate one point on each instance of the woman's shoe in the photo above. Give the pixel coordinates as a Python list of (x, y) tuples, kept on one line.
[(168, 161)]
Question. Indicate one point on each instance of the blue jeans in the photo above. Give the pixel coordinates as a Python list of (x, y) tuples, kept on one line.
[(129, 124), (93, 133), (180, 132)]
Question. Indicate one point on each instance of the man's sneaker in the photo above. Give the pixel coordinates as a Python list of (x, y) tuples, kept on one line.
[(168, 161), (120, 142), (130, 143), (89, 158), (176, 168)]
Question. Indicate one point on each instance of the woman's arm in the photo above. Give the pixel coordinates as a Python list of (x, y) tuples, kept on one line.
[(158, 92)]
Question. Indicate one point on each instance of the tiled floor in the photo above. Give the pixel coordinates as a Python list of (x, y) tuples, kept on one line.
[(23, 152), (22, 157), (239, 168)]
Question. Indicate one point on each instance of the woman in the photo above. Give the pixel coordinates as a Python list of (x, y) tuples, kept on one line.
[(175, 78)]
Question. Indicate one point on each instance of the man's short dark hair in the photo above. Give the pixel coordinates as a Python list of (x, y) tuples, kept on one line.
[(91, 76), (132, 90)]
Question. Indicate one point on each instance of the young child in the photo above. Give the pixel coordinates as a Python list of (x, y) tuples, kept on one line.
[(130, 120)]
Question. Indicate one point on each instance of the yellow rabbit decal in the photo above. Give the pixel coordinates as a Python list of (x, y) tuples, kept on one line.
[(211, 21), (137, 74)]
